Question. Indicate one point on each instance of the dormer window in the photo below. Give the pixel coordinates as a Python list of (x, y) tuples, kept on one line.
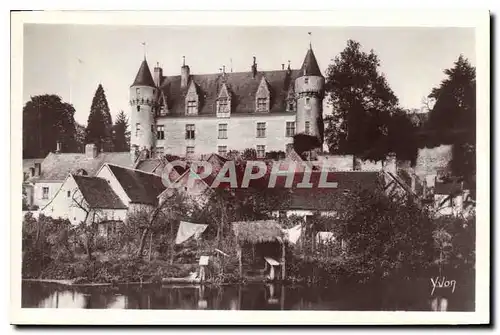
[(223, 103), (192, 107), (192, 100), (222, 106), (306, 80), (138, 93), (262, 105), (262, 97)]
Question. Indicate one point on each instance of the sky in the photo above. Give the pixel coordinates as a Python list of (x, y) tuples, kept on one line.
[(71, 60)]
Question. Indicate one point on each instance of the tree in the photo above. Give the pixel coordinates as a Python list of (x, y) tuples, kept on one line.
[(80, 134), (47, 120), (362, 103), (99, 124), (452, 120), (386, 235), (303, 144), (121, 134)]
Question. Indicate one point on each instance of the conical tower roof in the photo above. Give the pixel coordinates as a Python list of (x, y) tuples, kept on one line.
[(144, 77), (310, 66)]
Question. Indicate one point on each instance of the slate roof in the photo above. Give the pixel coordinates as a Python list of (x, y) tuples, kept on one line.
[(448, 188), (310, 66), (56, 167), (98, 193), (241, 86), (144, 77), (141, 187), (317, 198)]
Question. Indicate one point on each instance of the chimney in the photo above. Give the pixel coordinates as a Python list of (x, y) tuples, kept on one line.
[(282, 66), (58, 147), (184, 73), (223, 70), (90, 150), (158, 74), (38, 169), (390, 164), (254, 67)]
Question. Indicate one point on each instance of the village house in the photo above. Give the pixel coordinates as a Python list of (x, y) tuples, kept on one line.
[(49, 175), (110, 196), (31, 171)]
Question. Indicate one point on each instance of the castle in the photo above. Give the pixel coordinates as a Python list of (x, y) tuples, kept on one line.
[(192, 115)]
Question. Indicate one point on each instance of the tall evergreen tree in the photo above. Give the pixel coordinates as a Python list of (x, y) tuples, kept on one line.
[(47, 120), (121, 134), (80, 137), (362, 104), (452, 120), (99, 124)]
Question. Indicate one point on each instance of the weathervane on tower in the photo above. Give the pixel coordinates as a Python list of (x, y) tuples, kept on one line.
[(310, 39)]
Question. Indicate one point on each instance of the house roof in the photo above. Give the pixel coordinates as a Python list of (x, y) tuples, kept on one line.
[(331, 199), (98, 193), (144, 77), (57, 166), (242, 87), (448, 188), (257, 231), (141, 187), (310, 65), (157, 166)]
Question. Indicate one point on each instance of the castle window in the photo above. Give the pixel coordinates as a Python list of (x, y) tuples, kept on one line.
[(137, 129), (223, 106), (153, 128), (45, 193), (307, 101), (138, 108), (190, 132), (138, 93), (262, 105), (306, 80), (160, 132), (192, 107), (68, 194), (261, 129), (289, 147), (189, 151), (290, 106), (307, 127), (222, 150), (290, 129), (261, 151), (223, 130)]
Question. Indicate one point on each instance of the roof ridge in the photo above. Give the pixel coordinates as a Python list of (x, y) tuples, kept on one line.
[(136, 170), (230, 73)]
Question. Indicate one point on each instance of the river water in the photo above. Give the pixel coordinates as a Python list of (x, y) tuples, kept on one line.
[(407, 296)]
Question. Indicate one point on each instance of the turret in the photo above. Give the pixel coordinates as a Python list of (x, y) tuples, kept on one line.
[(142, 104), (309, 90)]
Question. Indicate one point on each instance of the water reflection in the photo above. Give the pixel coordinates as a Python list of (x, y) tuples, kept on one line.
[(244, 297)]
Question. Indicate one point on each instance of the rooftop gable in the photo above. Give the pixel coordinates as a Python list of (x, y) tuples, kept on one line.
[(242, 86), (140, 187), (98, 193)]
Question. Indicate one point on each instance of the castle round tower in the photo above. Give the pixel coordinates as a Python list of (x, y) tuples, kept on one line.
[(142, 116), (310, 90)]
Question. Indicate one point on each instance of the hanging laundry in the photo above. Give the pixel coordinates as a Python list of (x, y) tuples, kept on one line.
[(293, 234), (325, 237), (187, 230)]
